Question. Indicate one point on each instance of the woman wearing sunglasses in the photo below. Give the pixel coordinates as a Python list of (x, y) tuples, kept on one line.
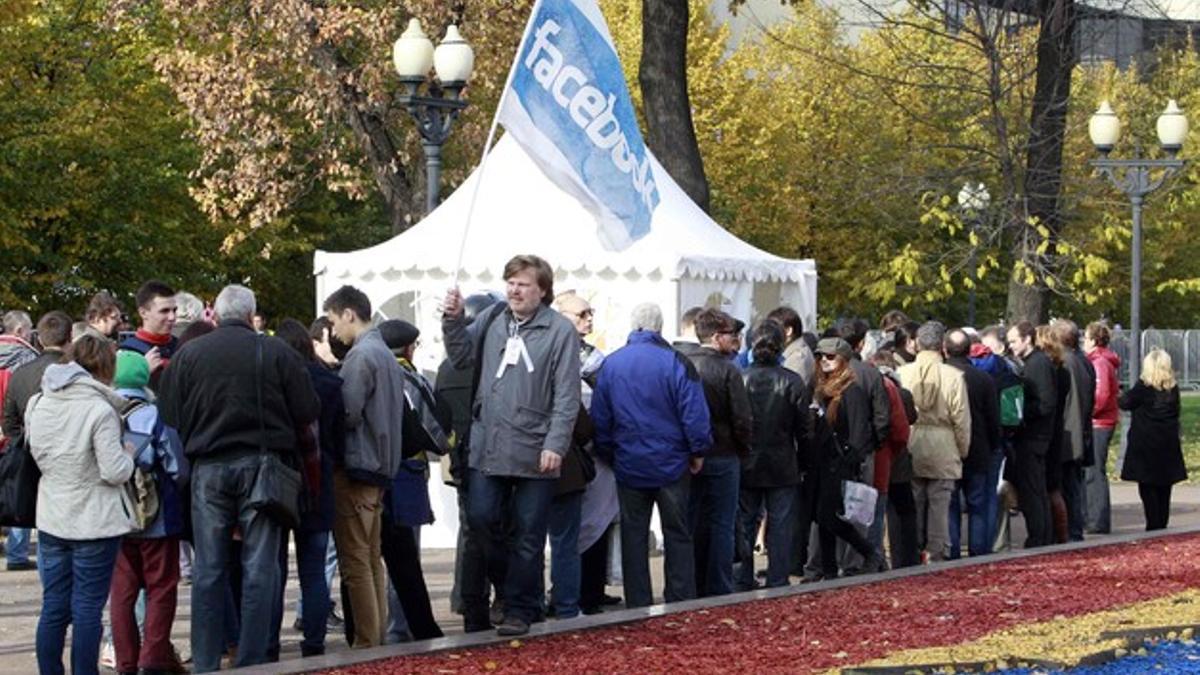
[(842, 440)]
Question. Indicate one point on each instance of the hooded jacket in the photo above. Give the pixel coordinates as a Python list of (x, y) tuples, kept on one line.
[(1106, 363), (74, 431), (941, 437)]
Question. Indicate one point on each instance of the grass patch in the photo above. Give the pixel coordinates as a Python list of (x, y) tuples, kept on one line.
[(1189, 426)]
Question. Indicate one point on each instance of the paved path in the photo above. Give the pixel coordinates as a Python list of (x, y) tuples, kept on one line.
[(20, 592)]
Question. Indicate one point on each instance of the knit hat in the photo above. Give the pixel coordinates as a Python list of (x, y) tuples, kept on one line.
[(398, 334), (133, 372), (833, 345)]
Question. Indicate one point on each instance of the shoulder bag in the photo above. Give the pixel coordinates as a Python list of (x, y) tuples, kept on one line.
[(276, 490)]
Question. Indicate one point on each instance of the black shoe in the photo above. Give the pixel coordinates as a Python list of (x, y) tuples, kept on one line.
[(512, 627), (612, 600), (589, 611), (22, 566), (496, 613), (298, 625)]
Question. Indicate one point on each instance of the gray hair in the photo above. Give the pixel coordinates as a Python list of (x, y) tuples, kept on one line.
[(188, 308), (930, 336), (15, 320), (647, 316), (235, 302)]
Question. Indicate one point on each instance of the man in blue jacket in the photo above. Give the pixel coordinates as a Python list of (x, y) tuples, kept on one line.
[(652, 424)]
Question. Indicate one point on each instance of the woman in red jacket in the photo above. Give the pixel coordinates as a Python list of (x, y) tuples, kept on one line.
[(1104, 419)]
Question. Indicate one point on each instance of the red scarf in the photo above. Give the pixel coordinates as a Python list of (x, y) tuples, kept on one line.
[(153, 338)]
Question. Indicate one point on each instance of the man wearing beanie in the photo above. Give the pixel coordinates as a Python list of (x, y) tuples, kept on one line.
[(149, 558)]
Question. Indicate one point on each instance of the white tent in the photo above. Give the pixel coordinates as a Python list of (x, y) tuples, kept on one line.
[(686, 260)]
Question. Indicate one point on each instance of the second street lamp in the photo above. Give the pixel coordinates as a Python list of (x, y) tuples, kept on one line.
[(974, 201), (413, 56), (1137, 178)]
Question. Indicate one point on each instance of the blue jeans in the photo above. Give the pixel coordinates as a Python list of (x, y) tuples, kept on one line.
[(712, 510), (530, 499), (311, 548), (780, 505), (979, 490), (330, 569), (220, 502), (17, 548), (1095, 477), (566, 565), (76, 576)]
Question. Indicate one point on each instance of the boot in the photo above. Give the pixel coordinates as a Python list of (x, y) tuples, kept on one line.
[(1058, 516)]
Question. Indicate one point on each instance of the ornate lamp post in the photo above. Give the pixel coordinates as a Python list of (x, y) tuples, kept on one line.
[(414, 56), (1137, 178), (974, 201)]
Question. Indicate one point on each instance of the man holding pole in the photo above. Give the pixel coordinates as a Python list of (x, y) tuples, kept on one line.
[(526, 360)]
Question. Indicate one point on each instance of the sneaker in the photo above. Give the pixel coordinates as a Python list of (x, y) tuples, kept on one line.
[(512, 627), (335, 620), (108, 655)]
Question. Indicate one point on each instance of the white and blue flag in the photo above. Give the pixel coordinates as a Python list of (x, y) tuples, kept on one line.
[(569, 108)]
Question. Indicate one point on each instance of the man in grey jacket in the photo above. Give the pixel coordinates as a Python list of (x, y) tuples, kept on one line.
[(373, 391), (526, 357)]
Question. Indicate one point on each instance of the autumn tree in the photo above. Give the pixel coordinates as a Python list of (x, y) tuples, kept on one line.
[(288, 95)]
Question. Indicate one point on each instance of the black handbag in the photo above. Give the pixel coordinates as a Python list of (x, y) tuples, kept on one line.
[(276, 490), (19, 477)]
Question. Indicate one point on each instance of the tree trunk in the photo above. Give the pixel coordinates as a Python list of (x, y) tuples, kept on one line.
[(378, 146), (662, 75), (1043, 175)]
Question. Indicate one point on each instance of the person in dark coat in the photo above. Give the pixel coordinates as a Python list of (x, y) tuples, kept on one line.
[(316, 518), (1032, 443), (779, 403), (842, 438), (1059, 455), (480, 562), (209, 395), (1078, 449), (978, 484), (713, 501), (1154, 459)]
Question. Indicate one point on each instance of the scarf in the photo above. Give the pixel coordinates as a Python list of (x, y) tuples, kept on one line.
[(831, 386)]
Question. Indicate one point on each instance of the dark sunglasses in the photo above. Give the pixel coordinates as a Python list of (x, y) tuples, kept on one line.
[(829, 357)]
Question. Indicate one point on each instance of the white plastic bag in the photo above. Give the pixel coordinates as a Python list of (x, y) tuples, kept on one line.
[(858, 503)]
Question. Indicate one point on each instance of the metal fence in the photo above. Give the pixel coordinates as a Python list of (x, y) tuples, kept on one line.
[(1182, 345)]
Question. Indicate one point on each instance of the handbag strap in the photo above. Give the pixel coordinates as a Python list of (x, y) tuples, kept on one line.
[(258, 378)]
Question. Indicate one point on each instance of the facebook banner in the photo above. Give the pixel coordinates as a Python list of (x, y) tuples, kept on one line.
[(569, 107)]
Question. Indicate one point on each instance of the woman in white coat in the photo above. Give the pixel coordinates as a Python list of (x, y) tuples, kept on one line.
[(74, 428)]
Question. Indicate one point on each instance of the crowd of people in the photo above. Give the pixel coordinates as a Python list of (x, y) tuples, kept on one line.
[(198, 446)]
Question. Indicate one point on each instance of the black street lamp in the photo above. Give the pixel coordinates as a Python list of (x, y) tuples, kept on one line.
[(974, 201), (452, 61), (1137, 178)]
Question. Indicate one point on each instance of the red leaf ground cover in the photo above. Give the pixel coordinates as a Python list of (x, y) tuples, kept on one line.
[(817, 631)]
